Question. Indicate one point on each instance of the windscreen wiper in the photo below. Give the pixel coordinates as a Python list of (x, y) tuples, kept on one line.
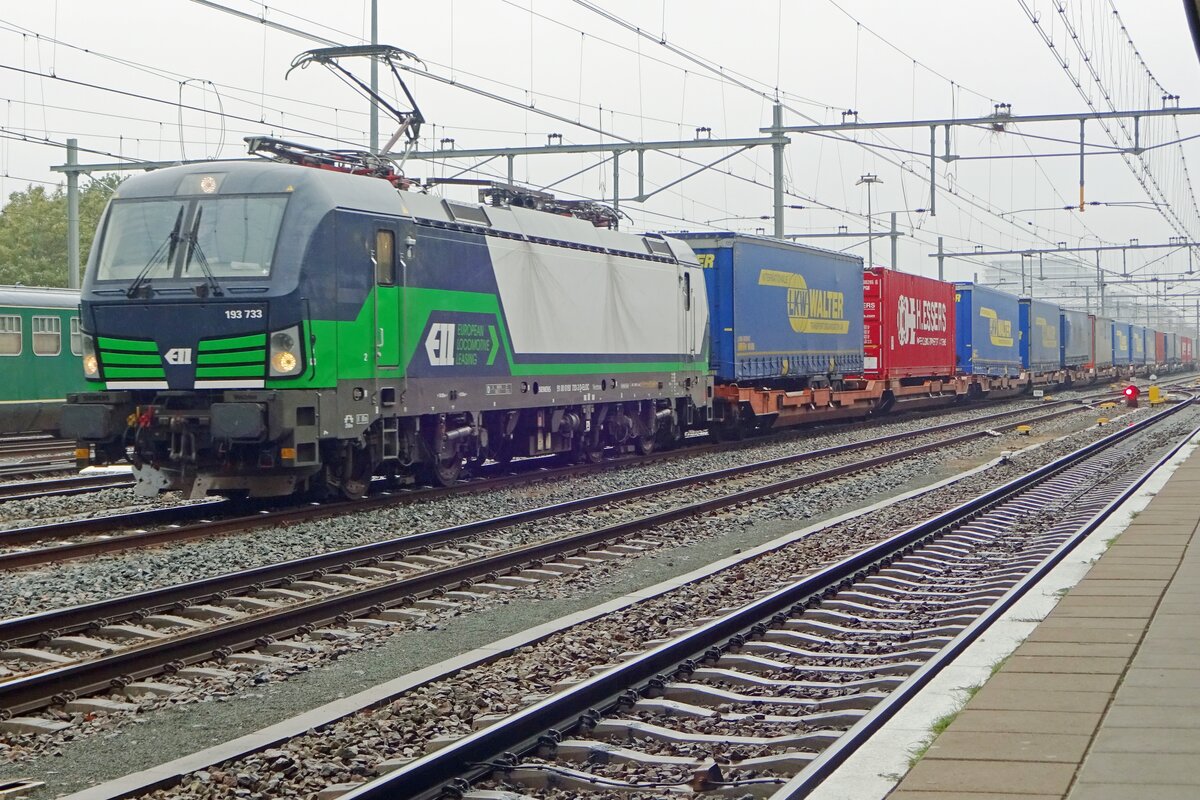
[(168, 246), (194, 248)]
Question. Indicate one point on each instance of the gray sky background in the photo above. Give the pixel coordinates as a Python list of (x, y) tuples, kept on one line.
[(824, 56)]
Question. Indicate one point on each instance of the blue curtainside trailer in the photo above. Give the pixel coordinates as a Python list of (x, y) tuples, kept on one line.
[(987, 331), (1137, 344), (780, 310), (1041, 336), (1075, 337), (1120, 343)]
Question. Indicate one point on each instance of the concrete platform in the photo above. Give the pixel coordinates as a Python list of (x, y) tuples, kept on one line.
[(1102, 700)]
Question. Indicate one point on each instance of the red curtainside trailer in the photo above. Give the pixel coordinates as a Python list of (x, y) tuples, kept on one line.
[(1185, 350), (1160, 347), (909, 330)]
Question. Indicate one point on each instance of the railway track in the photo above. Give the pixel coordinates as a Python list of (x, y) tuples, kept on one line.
[(82, 484), (102, 534), (62, 487), (961, 575), (766, 700), (68, 653), (18, 447)]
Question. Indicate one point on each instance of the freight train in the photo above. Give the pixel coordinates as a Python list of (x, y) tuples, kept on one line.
[(268, 328)]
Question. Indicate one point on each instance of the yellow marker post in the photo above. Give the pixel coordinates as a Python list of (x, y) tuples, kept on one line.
[(1157, 397), (1024, 430)]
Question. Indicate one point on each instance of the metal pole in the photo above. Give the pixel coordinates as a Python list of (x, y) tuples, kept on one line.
[(375, 77), (933, 170), (870, 231), (894, 240), (1099, 284), (616, 182), (72, 216), (777, 153), (941, 261), (1082, 127), (1087, 299)]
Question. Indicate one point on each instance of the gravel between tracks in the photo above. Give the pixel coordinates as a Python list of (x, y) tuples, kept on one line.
[(168, 733), (75, 582), (349, 750)]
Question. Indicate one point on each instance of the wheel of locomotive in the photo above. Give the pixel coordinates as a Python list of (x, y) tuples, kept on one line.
[(444, 471), (669, 436), (356, 474), (504, 453), (591, 452)]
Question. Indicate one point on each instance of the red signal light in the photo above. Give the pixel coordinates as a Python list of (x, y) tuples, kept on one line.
[(1131, 391)]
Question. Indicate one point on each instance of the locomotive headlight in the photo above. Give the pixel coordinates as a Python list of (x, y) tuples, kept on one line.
[(285, 352), (91, 364)]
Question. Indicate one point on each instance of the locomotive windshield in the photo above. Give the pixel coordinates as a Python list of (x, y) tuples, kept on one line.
[(151, 238)]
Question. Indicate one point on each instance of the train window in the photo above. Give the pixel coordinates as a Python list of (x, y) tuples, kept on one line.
[(687, 291), (385, 258), (76, 337), (47, 336), (10, 335)]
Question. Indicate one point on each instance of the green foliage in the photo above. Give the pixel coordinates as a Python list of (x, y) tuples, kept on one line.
[(33, 231)]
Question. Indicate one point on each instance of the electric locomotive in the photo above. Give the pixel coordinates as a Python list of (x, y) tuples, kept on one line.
[(265, 328)]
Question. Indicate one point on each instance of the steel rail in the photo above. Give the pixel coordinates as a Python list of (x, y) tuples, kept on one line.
[(27, 693), (61, 487), (238, 524), (473, 755), (24, 468)]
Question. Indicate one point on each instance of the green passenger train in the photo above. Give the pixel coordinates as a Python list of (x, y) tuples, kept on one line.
[(40, 348), (266, 328)]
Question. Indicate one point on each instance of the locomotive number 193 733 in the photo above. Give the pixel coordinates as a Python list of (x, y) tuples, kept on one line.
[(243, 313)]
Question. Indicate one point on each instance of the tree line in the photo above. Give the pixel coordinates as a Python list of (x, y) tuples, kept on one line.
[(33, 231)]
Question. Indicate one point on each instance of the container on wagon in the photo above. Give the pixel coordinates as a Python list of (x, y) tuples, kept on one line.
[(1160, 348), (909, 326), (987, 331), (1138, 340), (1075, 337), (780, 310), (1186, 353), (1172, 348), (1041, 331), (1102, 342), (1120, 343)]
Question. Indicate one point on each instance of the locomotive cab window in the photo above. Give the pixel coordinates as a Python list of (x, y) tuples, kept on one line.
[(10, 335), (47, 336), (687, 291), (76, 337), (181, 238), (385, 258)]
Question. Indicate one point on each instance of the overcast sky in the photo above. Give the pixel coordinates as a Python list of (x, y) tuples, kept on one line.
[(720, 68)]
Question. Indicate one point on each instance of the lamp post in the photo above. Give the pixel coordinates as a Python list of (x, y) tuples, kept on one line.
[(869, 179)]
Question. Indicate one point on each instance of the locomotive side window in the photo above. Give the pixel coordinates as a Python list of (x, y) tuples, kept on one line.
[(76, 338), (10, 335), (385, 258), (47, 336), (687, 291)]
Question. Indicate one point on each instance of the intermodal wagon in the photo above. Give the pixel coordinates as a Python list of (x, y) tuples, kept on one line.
[(1075, 338), (909, 329), (781, 311), (987, 331), (1041, 342)]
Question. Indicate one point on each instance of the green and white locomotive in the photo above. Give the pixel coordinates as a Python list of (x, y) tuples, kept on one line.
[(266, 328)]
